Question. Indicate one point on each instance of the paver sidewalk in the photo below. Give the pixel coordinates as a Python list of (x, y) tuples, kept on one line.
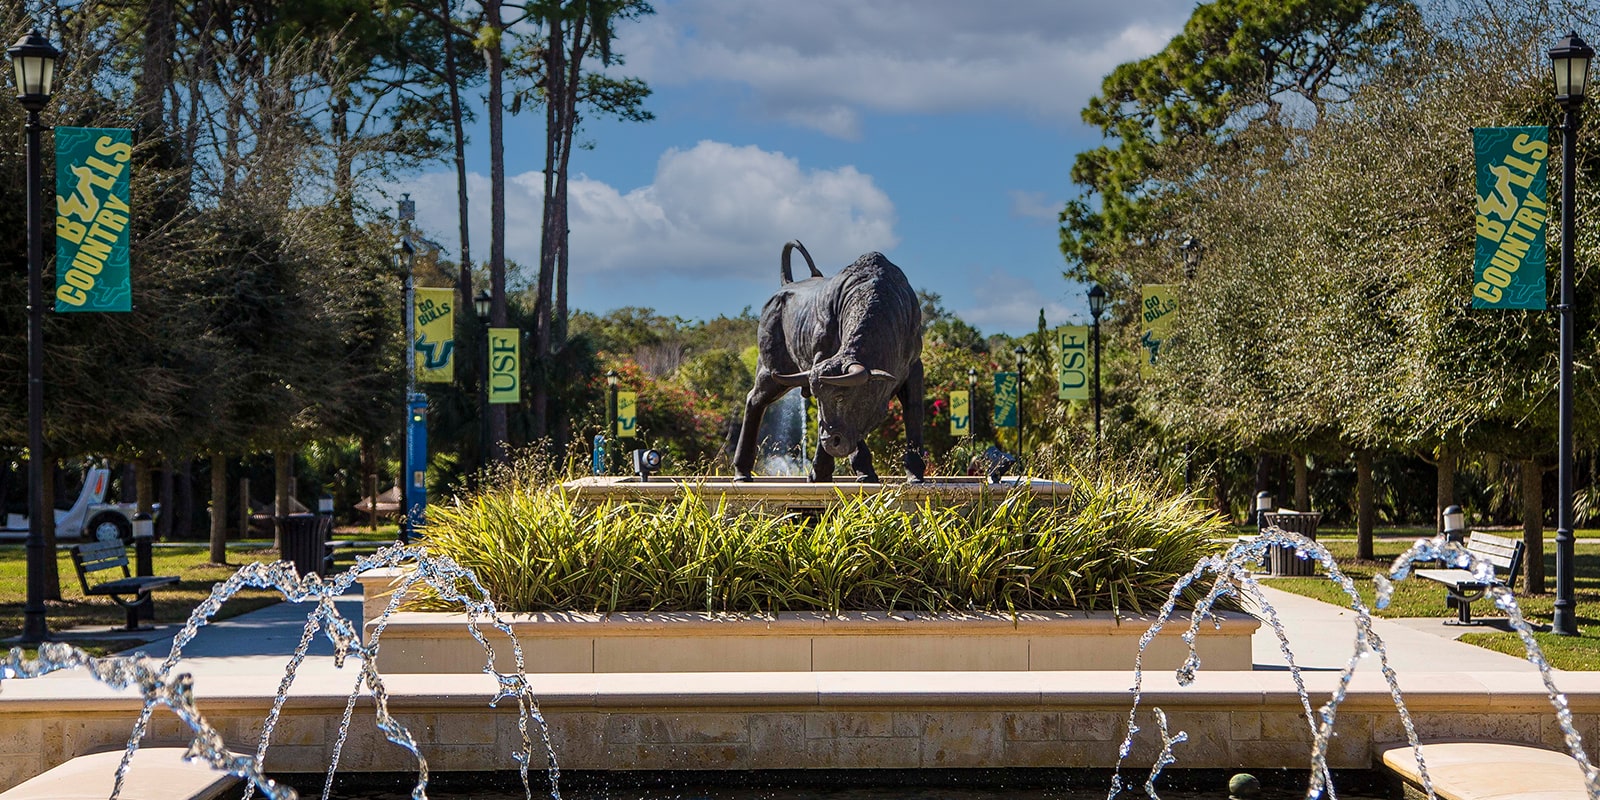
[(1322, 637)]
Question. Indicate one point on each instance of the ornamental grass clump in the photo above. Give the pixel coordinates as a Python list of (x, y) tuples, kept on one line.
[(1104, 545)]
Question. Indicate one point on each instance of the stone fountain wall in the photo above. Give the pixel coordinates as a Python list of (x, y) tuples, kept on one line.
[(845, 720)]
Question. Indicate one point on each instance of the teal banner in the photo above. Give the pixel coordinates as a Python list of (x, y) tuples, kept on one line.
[(1509, 268), (92, 213), (1005, 399)]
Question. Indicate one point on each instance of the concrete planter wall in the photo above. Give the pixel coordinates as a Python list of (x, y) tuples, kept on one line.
[(414, 642)]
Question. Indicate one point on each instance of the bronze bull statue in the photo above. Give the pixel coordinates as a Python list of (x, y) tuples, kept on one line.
[(851, 341)]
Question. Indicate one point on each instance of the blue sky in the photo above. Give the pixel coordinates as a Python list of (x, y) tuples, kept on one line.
[(940, 132)]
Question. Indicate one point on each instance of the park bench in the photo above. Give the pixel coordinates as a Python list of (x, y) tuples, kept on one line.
[(103, 556), (1462, 587)]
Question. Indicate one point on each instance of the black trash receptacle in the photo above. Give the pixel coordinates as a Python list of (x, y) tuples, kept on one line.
[(305, 540), (1283, 560)]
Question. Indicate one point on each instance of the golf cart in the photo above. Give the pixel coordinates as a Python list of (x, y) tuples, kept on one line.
[(90, 517)]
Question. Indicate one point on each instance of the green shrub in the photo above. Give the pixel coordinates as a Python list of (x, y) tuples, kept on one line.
[(1105, 545)]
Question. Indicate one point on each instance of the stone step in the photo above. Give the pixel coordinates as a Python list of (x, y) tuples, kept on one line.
[(1488, 771), (157, 773)]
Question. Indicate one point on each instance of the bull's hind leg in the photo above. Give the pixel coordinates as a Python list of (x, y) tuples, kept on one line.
[(861, 462), (911, 399), (761, 395)]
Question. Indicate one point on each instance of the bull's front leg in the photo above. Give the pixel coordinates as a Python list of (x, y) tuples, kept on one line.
[(761, 395), (861, 462), (822, 467), (911, 400)]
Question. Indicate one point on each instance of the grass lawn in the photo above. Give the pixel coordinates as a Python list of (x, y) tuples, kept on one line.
[(1419, 598), (173, 604)]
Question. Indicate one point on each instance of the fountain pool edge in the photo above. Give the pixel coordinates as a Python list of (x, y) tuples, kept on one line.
[(811, 720)]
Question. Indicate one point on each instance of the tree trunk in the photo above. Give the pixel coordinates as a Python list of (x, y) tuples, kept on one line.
[(555, 78), (1446, 495), (164, 525), (1302, 482), (1264, 476), (1532, 526), (497, 200), (219, 509), (183, 501), (452, 86), (52, 574), (281, 493), (369, 473), (143, 496), (155, 68), (1364, 505)]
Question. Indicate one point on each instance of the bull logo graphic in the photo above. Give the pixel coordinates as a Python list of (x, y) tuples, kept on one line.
[(1149, 342), (435, 355)]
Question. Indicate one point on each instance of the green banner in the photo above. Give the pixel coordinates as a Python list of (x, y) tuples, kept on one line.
[(435, 346), (1005, 399), (92, 214), (1155, 320), (1072, 363), (1509, 268), (505, 365), (627, 415), (960, 413)]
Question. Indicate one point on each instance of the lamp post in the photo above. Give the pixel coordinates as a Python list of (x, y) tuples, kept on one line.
[(1020, 352), (1191, 250), (482, 305), (1097, 307), (1569, 61), (33, 60), (414, 496), (611, 411)]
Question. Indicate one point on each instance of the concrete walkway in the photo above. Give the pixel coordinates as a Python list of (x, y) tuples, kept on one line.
[(1322, 637)]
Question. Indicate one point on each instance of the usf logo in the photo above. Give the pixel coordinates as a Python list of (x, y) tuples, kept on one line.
[(627, 414), (435, 355)]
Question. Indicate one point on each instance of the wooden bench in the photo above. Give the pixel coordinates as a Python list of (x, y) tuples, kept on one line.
[(1462, 587), (102, 556)]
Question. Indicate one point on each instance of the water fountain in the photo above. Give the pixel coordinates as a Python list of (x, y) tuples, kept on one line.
[(1233, 571), (161, 685), (783, 437)]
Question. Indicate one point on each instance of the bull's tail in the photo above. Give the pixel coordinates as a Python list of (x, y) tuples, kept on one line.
[(788, 247)]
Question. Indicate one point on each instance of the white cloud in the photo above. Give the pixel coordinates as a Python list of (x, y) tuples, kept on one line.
[(1004, 302), (1035, 206), (712, 211), (820, 62)]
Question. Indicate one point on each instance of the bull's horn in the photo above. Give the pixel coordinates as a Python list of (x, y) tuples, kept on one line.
[(880, 375), (854, 376), (792, 379), (787, 273)]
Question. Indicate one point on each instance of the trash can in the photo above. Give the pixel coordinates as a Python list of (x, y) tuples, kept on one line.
[(1282, 561), (305, 539)]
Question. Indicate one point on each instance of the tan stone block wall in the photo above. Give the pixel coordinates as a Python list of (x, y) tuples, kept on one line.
[(1234, 729)]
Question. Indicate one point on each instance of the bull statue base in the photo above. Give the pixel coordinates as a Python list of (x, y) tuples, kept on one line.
[(851, 341)]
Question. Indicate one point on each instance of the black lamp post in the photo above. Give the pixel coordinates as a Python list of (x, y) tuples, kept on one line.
[(1191, 250), (482, 305), (33, 61), (1020, 353), (611, 414), (404, 258), (1569, 61), (1097, 308)]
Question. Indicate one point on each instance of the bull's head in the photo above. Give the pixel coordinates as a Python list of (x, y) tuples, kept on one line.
[(851, 400)]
